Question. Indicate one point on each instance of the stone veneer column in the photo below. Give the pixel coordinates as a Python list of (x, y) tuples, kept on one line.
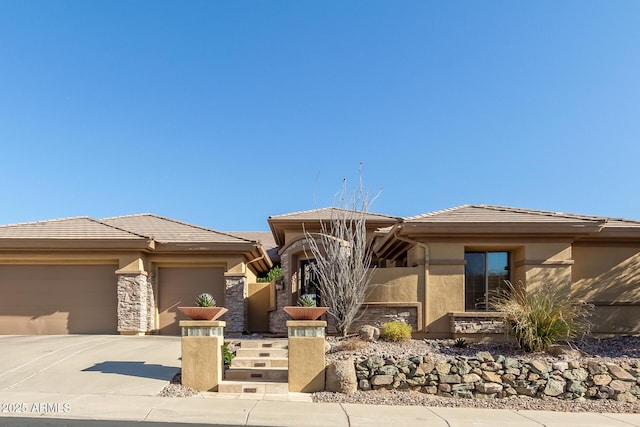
[(133, 292), (278, 318), (151, 304), (236, 298)]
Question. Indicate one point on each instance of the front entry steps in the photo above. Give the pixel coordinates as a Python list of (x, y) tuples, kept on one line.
[(260, 366)]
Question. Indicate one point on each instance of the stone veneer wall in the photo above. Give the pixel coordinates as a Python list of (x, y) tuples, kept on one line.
[(483, 377), (133, 293), (278, 318), (378, 314), (151, 303), (236, 298), (477, 325)]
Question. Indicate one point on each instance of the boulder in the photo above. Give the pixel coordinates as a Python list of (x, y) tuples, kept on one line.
[(381, 380), (369, 333), (488, 388), (341, 377), (555, 386), (620, 374)]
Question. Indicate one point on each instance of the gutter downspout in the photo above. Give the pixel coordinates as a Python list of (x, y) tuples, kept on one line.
[(427, 251)]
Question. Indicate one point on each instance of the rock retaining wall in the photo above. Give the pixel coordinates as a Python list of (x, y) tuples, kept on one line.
[(486, 377)]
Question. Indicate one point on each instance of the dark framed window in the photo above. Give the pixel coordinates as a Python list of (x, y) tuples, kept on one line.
[(484, 272), (309, 283)]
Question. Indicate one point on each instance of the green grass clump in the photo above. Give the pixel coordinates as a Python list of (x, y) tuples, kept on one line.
[(542, 316), (395, 331)]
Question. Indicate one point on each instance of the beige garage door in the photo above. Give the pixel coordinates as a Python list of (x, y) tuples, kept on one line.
[(58, 299), (180, 287)]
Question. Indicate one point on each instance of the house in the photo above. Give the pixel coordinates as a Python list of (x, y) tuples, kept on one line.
[(128, 274), (435, 270), (119, 275)]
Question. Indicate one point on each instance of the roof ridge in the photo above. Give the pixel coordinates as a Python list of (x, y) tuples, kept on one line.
[(438, 212), (119, 228), (328, 208), (544, 212), (302, 212), (199, 227), (44, 221)]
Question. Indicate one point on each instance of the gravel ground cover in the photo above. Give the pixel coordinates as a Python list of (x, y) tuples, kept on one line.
[(614, 350)]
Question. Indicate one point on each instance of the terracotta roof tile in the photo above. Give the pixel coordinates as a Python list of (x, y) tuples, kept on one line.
[(500, 214), (326, 214), (166, 230), (65, 228)]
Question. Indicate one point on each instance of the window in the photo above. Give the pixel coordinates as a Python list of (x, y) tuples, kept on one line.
[(484, 272), (309, 283)]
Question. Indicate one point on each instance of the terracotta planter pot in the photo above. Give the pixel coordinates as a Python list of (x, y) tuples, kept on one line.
[(203, 313), (304, 313)]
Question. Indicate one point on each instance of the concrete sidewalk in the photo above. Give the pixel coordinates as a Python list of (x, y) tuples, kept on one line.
[(56, 409)]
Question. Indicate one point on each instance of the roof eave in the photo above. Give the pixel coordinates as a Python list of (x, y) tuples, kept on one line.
[(56, 244)]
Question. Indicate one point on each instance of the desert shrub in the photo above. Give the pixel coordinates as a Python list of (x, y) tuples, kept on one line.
[(540, 317), (227, 355), (395, 331), (461, 343), (273, 274)]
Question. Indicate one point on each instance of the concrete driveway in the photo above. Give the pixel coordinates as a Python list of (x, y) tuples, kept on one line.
[(88, 364)]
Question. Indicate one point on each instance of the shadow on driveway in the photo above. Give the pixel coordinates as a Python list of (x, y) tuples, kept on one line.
[(135, 369)]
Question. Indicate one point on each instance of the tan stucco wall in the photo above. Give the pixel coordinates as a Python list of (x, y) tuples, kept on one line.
[(259, 302), (531, 263), (609, 276), (396, 285)]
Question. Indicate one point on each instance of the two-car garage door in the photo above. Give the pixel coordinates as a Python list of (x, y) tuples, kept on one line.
[(58, 299)]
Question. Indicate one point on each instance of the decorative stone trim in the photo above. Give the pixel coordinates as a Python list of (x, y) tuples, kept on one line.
[(477, 323), (199, 328), (377, 313), (236, 299), (133, 290)]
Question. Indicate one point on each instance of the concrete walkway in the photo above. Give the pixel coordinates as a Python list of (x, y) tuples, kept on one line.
[(114, 381), (49, 409)]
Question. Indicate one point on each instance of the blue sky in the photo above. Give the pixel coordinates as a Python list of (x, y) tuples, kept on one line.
[(223, 113)]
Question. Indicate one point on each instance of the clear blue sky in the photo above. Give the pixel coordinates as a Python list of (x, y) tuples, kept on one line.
[(223, 113)]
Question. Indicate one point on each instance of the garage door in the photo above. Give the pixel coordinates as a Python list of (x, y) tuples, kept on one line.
[(57, 299), (180, 287)]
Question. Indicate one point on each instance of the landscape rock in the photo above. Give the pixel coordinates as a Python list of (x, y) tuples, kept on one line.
[(341, 377), (369, 333)]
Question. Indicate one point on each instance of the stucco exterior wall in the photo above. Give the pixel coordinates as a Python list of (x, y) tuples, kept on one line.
[(608, 276), (532, 263), (398, 284)]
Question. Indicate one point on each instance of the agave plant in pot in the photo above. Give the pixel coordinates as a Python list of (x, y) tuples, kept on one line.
[(306, 309), (205, 308)]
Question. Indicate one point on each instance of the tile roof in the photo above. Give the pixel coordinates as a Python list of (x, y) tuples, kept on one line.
[(264, 237), (66, 228), (166, 230), (326, 214), (500, 214)]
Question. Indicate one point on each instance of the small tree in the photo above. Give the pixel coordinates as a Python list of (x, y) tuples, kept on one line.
[(343, 256)]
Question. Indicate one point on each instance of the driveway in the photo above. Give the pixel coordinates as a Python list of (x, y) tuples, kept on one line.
[(88, 364)]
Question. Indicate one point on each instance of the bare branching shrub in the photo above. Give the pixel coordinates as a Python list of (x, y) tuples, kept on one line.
[(540, 317), (343, 257)]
